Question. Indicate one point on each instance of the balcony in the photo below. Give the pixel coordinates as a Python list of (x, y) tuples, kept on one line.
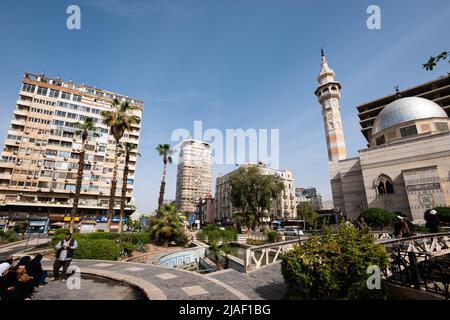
[(4, 176), (19, 122)]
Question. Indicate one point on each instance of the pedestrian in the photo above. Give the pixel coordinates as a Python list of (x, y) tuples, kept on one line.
[(433, 222), (410, 224), (64, 253), (398, 225), (34, 269), (360, 223)]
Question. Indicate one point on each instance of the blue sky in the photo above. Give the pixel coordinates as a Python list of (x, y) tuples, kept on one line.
[(231, 64)]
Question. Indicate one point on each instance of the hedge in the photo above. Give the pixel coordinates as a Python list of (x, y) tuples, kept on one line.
[(101, 249), (378, 218), (334, 266)]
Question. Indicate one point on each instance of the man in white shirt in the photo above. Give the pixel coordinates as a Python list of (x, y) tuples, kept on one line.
[(64, 253)]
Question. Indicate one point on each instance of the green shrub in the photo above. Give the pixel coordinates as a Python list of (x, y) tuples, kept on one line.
[(128, 247), (139, 237), (101, 249), (61, 232), (272, 236), (378, 218), (255, 242), (425, 229), (334, 266), (10, 236), (181, 239), (97, 236), (443, 213)]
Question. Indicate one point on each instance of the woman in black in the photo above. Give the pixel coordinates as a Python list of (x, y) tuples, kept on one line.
[(34, 269)]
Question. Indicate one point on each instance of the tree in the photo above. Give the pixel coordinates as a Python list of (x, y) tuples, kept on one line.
[(306, 212), (252, 194), (118, 120), (166, 226), (128, 148), (334, 266), (83, 129), (164, 151), (433, 60), (378, 218), (219, 242)]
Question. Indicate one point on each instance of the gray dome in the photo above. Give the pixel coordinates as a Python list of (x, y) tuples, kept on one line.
[(406, 109)]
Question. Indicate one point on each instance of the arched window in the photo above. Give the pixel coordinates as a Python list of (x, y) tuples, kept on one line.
[(384, 185)]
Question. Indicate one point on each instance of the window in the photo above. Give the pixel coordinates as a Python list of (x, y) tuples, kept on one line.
[(76, 97), (385, 185), (71, 115), (380, 140), (65, 95), (441, 126), (58, 123), (408, 131), (54, 93), (60, 113), (28, 87), (51, 153), (42, 91), (63, 154)]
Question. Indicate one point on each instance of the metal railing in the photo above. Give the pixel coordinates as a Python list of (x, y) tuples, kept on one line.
[(258, 256), (420, 262)]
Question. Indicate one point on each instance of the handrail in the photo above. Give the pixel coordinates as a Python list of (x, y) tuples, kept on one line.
[(422, 236)]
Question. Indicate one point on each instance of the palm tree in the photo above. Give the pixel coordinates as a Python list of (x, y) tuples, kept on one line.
[(128, 148), (118, 120), (167, 224), (84, 127), (164, 151)]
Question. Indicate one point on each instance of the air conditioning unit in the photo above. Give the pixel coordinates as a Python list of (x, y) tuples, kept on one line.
[(28, 153), (67, 180), (51, 189), (14, 152), (36, 177), (17, 142), (54, 179), (29, 177), (65, 159), (38, 164), (39, 189)]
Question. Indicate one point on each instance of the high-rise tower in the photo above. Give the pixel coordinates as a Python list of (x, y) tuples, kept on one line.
[(328, 94)]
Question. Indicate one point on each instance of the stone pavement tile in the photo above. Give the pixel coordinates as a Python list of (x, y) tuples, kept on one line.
[(102, 265), (166, 276), (194, 290), (134, 269)]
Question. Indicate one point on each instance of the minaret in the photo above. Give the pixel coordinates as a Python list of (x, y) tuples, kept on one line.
[(328, 94)]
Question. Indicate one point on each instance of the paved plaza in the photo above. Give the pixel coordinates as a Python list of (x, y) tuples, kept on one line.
[(161, 283)]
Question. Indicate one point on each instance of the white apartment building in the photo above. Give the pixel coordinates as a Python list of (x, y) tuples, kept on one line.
[(38, 167), (193, 174)]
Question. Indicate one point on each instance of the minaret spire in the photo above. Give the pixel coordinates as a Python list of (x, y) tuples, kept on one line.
[(328, 94)]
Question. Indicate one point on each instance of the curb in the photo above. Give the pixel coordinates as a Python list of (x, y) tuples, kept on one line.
[(151, 292)]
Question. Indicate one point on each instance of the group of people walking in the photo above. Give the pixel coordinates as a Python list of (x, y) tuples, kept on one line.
[(403, 227)]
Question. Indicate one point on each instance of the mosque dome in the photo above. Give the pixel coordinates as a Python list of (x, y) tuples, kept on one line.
[(404, 110)]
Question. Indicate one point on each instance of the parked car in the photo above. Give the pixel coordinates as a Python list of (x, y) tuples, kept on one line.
[(293, 232)]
